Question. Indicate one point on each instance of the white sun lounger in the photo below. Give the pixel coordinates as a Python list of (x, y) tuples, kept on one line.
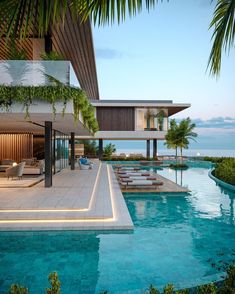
[(140, 183)]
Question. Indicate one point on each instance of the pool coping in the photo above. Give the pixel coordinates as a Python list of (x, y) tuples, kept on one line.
[(220, 182)]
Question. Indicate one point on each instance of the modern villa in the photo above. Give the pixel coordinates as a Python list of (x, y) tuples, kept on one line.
[(104, 226), (117, 120)]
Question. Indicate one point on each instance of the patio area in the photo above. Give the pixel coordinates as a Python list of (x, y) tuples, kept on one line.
[(78, 200)]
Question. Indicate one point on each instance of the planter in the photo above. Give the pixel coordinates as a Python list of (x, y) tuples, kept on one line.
[(181, 166), (220, 182)]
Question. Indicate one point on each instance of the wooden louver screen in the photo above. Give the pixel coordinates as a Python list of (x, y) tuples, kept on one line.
[(16, 146)]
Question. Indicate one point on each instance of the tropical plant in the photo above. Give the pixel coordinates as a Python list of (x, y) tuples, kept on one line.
[(185, 133), (17, 289), (55, 284), (51, 56), (171, 138), (225, 171), (223, 23), (90, 147), (52, 94), (160, 119), (153, 290), (20, 15), (109, 150), (179, 135)]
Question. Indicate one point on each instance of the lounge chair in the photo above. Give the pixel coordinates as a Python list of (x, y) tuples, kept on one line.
[(15, 171), (140, 183), (84, 163)]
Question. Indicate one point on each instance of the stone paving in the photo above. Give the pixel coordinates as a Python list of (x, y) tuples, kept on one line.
[(78, 200)]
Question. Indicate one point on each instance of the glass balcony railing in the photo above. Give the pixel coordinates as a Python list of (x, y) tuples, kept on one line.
[(36, 73)]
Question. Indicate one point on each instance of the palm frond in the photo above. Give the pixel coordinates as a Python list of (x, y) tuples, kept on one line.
[(107, 11), (223, 36)]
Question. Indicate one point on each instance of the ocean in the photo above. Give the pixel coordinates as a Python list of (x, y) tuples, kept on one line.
[(186, 152)]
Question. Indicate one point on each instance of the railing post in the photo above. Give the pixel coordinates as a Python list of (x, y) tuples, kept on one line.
[(48, 154)]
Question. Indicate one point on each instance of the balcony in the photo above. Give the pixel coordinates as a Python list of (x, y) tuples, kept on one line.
[(36, 73)]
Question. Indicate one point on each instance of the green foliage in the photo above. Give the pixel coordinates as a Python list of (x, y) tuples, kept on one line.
[(52, 94), (17, 289), (15, 53), (153, 290), (109, 150), (227, 287), (160, 119), (51, 56), (215, 159), (225, 171), (90, 147), (183, 291), (178, 135), (223, 36), (207, 289), (178, 166), (55, 284), (168, 289)]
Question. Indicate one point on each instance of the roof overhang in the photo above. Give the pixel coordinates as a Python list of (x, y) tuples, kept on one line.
[(126, 135), (15, 121), (173, 108)]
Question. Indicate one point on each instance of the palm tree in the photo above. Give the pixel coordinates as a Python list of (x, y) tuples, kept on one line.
[(171, 138), (179, 135), (184, 134), (19, 16)]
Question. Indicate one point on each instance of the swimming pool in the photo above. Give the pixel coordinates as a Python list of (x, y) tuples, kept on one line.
[(180, 239)]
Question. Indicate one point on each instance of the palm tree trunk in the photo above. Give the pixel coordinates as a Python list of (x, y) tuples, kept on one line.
[(176, 154), (181, 154)]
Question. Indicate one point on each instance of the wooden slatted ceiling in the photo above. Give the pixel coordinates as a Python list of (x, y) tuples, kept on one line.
[(74, 42)]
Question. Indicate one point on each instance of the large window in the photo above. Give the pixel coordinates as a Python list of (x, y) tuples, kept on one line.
[(61, 151), (154, 119)]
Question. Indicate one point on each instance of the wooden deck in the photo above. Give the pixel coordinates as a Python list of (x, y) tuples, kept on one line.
[(167, 187)]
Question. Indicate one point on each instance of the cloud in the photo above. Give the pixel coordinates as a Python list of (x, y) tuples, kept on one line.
[(217, 123), (108, 53)]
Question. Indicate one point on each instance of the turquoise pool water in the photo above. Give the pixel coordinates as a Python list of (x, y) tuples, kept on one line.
[(178, 238)]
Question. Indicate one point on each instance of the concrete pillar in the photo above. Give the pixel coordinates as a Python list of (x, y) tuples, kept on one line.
[(148, 148), (48, 154), (155, 148), (100, 149), (72, 144)]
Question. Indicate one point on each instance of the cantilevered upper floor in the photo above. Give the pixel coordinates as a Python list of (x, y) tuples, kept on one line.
[(134, 119)]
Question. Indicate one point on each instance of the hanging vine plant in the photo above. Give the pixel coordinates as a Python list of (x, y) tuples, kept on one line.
[(51, 94)]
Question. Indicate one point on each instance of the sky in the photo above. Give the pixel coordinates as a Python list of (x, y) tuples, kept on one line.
[(163, 54)]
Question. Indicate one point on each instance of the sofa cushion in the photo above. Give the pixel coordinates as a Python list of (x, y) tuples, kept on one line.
[(7, 161)]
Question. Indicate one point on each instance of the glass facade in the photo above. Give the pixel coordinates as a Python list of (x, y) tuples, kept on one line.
[(149, 119), (61, 151)]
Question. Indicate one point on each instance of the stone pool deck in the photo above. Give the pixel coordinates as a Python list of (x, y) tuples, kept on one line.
[(78, 200)]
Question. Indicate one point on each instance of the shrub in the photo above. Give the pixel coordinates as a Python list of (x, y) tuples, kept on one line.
[(168, 289), (215, 159), (55, 284), (225, 171), (178, 166), (207, 289), (17, 289), (153, 290)]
